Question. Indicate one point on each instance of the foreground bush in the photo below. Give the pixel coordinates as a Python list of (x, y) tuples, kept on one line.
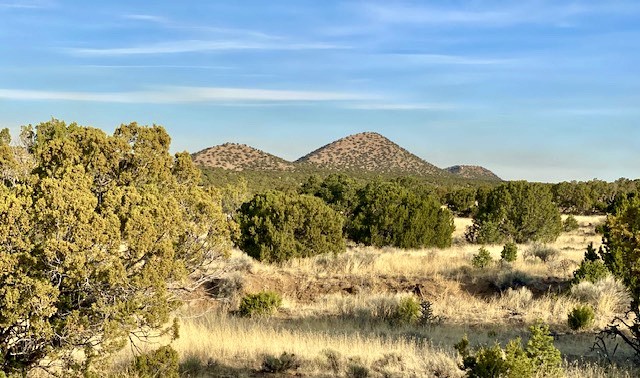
[(540, 358), (160, 363), (621, 255), (387, 214), (518, 211), (277, 226), (260, 304), (92, 235)]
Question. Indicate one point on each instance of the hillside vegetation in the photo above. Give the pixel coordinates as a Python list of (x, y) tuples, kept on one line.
[(364, 154)]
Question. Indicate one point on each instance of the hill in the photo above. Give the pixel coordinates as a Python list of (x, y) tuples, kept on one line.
[(473, 172), (239, 157), (371, 152)]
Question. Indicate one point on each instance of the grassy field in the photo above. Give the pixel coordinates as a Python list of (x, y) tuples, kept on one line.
[(334, 318)]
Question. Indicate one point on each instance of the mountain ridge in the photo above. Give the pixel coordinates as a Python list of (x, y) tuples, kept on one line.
[(364, 152)]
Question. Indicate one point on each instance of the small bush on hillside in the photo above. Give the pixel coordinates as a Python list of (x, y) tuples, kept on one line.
[(570, 224), (581, 317), (592, 271), (591, 268), (427, 317), (260, 304), (277, 226), (543, 252), (482, 259), (608, 295), (408, 311), (540, 358), (160, 363), (509, 252)]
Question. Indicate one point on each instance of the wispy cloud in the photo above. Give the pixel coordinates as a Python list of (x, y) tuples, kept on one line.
[(190, 46), (401, 106), (25, 5), (523, 12), (451, 59), (145, 17), (177, 94)]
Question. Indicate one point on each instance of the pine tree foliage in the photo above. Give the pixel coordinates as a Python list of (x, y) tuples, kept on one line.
[(91, 238)]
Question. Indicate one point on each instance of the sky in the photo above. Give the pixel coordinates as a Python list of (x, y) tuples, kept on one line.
[(531, 89)]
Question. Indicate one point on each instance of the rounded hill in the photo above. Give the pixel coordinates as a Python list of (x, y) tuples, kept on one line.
[(239, 157), (369, 151)]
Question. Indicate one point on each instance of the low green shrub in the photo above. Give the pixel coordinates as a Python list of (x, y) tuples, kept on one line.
[(581, 317), (592, 271), (540, 358), (570, 224), (260, 304), (591, 268), (409, 311), (160, 363), (509, 252), (482, 259)]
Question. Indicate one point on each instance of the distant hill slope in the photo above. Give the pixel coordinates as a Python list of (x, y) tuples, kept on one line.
[(239, 157), (372, 152), (474, 172)]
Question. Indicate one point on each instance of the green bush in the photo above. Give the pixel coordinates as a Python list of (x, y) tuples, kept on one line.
[(581, 317), (260, 304), (387, 214), (282, 364), (518, 211), (591, 268), (94, 232), (570, 224), (482, 259), (409, 311), (509, 252), (592, 271), (160, 363), (621, 256), (540, 358), (277, 226)]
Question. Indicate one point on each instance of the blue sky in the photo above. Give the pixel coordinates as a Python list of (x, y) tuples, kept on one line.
[(531, 89)]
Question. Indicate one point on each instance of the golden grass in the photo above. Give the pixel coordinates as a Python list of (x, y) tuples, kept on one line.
[(331, 330)]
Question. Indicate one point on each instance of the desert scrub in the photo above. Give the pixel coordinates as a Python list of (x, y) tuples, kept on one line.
[(581, 317), (408, 311), (286, 362), (540, 358), (482, 259), (509, 252), (162, 362), (591, 268), (543, 252), (570, 224), (260, 304)]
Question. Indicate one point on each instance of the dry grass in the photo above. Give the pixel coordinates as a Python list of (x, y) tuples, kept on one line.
[(333, 316)]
